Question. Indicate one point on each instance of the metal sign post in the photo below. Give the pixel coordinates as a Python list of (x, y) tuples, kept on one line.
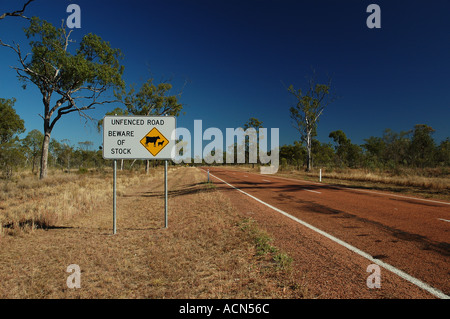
[(114, 196), (166, 219), (139, 137)]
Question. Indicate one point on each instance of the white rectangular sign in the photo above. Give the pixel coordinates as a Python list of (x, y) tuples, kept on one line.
[(139, 137)]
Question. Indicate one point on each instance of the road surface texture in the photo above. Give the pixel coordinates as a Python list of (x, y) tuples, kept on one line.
[(334, 233)]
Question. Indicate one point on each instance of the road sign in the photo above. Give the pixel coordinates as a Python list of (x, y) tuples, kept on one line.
[(139, 137), (154, 141)]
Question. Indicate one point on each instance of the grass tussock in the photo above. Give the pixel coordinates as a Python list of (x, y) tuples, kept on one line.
[(264, 245), (275, 262)]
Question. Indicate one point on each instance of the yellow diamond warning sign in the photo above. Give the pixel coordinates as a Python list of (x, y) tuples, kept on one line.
[(154, 141)]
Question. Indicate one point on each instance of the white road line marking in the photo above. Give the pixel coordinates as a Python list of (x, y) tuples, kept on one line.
[(393, 195), (308, 190), (445, 220), (435, 292)]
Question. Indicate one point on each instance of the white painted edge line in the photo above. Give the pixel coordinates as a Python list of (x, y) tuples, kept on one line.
[(363, 190), (308, 190), (445, 220), (435, 292), (393, 195)]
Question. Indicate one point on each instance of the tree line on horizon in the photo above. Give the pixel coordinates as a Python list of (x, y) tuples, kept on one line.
[(415, 148)]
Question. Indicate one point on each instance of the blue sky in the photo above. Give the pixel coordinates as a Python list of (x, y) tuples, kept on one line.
[(237, 57)]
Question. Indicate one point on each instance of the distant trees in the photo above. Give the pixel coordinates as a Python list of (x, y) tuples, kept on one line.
[(415, 148), (397, 145), (293, 154), (78, 80), (341, 142), (62, 153), (322, 153), (443, 153), (10, 123), (347, 154), (251, 145), (375, 148), (32, 144), (305, 114), (422, 149), (10, 126)]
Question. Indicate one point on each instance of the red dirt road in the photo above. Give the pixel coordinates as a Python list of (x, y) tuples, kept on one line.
[(409, 234)]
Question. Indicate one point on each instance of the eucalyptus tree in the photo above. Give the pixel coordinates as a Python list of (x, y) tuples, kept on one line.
[(251, 143), (10, 122), (152, 99), (422, 149), (68, 80), (305, 114), (10, 126), (347, 153)]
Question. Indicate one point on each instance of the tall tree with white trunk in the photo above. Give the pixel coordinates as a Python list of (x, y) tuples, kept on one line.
[(309, 106)]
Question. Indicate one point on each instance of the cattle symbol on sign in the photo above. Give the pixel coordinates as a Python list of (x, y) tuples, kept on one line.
[(154, 141)]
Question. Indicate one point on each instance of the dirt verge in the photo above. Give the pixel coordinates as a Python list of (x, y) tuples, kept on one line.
[(208, 250)]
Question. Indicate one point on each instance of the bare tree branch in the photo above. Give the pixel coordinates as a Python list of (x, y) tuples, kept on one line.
[(17, 13)]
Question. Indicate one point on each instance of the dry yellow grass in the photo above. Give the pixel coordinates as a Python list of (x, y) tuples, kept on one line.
[(427, 183), (408, 181), (28, 203), (407, 178), (204, 253)]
